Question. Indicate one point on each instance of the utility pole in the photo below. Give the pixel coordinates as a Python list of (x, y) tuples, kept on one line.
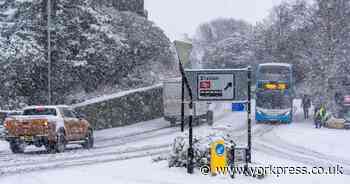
[(249, 112), (49, 50)]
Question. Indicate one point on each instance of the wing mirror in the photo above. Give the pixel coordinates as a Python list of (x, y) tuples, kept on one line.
[(81, 116)]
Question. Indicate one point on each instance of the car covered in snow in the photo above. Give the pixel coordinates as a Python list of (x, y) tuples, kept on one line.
[(51, 126)]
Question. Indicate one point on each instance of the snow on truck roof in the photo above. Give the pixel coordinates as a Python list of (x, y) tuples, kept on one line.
[(275, 64)]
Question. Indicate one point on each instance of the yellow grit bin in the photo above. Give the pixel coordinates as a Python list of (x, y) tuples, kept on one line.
[(218, 157)]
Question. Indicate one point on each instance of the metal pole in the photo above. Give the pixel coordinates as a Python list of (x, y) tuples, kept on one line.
[(190, 142), (182, 104), (232, 161), (190, 136), (49, 49), (249, 110)]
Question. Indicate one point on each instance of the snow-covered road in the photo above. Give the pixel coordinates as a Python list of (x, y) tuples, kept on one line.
[(123, 155)]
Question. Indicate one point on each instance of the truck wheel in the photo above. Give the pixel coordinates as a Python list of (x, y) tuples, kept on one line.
[(50, 148), (17, 147), (89, 140), (60, 144), (173, 122), (210, 118)]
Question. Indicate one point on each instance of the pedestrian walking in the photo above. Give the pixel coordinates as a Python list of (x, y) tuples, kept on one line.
[(306, 104)]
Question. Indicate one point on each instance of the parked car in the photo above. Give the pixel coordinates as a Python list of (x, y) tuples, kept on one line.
[(51, 126), (172, 104)]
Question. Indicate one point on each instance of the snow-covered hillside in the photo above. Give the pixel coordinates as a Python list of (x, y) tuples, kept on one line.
[(96, 50)]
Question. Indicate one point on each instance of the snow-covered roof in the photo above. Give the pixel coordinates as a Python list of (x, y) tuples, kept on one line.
[(46, 106), (275, 64)]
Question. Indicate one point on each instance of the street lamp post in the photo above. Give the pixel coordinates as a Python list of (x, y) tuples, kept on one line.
[(49, 49)]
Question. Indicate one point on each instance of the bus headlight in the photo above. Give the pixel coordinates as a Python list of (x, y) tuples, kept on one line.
[(259, 112)]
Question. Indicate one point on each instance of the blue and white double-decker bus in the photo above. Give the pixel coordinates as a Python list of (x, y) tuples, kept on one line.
[(274, 93)]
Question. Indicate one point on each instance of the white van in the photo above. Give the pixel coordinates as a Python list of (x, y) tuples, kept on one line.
[(172, 104)]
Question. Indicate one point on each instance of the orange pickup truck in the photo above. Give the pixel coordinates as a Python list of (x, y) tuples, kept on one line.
[(51, 126)]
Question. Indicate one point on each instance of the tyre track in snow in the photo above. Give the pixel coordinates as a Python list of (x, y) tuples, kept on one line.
[(99, 150), (76, 158), (132, 134), (304, 159), (120, 141), (74, 154), (107, 142), (305, 151), (98, 159), (276, 146)]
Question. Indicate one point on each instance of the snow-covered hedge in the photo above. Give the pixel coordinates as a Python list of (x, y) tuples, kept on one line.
[(201, 146)]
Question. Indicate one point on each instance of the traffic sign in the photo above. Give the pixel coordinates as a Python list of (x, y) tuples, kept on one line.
[(216, 86), (238, 107)]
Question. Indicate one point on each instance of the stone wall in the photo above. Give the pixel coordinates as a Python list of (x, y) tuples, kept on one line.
[(125, 109)]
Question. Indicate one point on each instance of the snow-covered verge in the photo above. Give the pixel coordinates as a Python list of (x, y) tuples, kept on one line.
[(144, 171)]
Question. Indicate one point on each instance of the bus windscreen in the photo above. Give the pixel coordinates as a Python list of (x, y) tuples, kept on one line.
[(274, 73)]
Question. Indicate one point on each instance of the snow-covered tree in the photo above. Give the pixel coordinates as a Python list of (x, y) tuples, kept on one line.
[(223, 43), (94, 46)]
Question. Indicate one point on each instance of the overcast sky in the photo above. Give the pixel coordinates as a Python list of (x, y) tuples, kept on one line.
[(176, 17)]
